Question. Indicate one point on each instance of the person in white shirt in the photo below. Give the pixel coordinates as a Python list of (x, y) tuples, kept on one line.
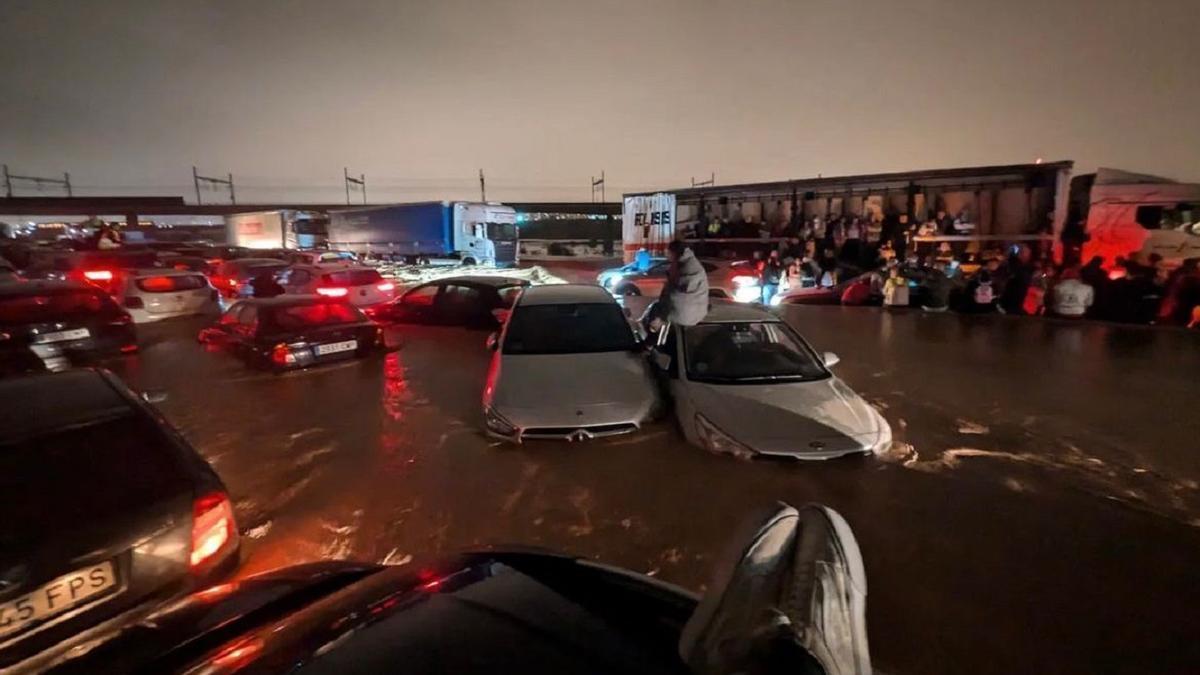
[(1071, 297)]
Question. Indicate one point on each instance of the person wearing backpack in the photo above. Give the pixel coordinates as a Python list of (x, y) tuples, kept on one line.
[(983, 293)]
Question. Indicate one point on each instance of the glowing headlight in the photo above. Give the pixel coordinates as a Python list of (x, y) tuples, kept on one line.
[(747, 293), (715, 440)]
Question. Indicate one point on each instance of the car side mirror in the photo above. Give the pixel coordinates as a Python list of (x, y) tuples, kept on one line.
[(493, 342), (662, 361), (500, 314), (831, 359)]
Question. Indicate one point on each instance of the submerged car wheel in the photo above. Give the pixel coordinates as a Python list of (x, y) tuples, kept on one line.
[(628, 290), (469, 261)]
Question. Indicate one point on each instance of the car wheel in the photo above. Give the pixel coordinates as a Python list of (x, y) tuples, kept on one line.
[(628, 290), (469, 261)]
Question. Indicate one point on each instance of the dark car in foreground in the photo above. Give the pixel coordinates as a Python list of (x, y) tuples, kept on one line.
[(107, 512), (789, 598), (294, 331), (474, 302), (60, 323)]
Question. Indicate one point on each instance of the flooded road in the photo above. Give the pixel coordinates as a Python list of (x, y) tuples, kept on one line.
[(1040, 512)]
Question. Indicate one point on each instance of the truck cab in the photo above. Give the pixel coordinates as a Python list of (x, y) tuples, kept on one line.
[(486, 234), (1128, 214)]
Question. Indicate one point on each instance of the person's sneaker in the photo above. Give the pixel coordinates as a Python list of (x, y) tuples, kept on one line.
[(790, 597)]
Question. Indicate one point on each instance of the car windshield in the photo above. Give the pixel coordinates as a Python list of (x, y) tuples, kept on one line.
[(756, 351), (295, 317), (568, 329), (501, 231), (53, 306), (353, 278)]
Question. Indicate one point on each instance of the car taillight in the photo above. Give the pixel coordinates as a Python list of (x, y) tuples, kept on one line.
[(98, 275), (745, 280), (333, 291), (213, 528), (134, 302), (282, 356), (386, 287)]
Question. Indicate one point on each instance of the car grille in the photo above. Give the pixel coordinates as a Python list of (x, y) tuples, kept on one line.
[(579, 433)]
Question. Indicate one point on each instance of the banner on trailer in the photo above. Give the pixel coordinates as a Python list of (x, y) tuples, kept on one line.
[(648, 222)]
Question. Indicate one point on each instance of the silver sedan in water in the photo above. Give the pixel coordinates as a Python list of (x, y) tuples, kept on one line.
[(567, 365), (744, 383)]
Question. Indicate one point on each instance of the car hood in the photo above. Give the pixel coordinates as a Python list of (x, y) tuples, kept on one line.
[(821, 417), (573, 389)]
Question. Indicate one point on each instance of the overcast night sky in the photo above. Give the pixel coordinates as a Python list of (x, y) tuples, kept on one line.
[(543, 94)]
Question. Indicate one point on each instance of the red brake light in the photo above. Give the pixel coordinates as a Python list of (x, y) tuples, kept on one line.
[(98, 275), (282, 356), (386, 287), (333, 291), (213, 527)]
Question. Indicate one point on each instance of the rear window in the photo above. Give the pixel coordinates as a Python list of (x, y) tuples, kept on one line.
[(255, 269), (171, 284), (53, 306), (320, 314), (353, 278), (568, 329), (107, 467)]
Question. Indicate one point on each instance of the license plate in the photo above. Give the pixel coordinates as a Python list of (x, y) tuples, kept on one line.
[(56, 597), (63, 335), (335, 347)]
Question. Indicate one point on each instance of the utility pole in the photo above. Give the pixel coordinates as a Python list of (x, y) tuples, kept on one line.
[(359, 183), (482, 188), (598, 186), (197, 179), (712, 180), (38, 181)]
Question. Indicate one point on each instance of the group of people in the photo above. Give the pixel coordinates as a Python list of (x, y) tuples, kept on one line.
[(1022, 282)]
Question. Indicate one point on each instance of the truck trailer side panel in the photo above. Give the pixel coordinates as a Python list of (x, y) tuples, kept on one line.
[(408, 229)]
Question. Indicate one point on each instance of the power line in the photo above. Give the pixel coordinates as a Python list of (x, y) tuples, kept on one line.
[(212, 182), (65, 181)]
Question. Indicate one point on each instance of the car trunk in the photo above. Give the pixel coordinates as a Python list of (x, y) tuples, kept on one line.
[(321, 344), (83, 497), (174, 294)]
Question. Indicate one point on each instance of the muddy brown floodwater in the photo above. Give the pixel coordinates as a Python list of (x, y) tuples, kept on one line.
[(1040, 512)]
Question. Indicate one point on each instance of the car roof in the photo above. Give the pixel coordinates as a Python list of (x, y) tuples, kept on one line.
[(162, 272), (335, 266), (493, 281), (564, 294), (290, 301), (14, 288), (723, 311), (257, 261), (55, 400)]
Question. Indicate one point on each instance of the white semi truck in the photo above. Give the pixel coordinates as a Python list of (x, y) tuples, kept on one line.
[(285, 228)]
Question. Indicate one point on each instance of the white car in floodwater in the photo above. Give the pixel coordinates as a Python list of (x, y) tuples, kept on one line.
[(567, 365), (745, 383)]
